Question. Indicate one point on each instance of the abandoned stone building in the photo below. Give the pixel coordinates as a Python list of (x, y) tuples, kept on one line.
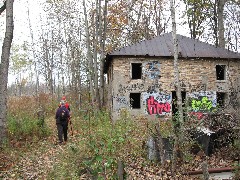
[(141, 77)]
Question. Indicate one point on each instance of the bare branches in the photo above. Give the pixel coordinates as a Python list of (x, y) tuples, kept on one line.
[(3, 7)]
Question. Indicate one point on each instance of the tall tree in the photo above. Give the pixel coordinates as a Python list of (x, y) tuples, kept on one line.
[(89, 54), (103, 32), (179, 119), (220, 25), (4, 66), (33, 52), (232, 26), (197, 13), (206, 18)]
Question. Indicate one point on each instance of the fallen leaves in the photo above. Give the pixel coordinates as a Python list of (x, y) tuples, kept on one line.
[(42, 157), (5, 162)]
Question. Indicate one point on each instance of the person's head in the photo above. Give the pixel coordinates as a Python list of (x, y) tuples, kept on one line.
[(64, 98), (62, 103)]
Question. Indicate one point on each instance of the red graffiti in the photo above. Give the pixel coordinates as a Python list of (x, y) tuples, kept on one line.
[(199, 115), (154, 107)]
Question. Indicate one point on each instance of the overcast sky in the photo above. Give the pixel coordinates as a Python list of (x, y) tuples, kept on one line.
[(21, 22), (36, 12)]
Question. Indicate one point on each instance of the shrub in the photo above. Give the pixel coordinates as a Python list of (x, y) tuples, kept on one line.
[(25, 127), (99, 147)]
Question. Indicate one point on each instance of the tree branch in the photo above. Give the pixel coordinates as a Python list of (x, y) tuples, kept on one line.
[(3, 7)]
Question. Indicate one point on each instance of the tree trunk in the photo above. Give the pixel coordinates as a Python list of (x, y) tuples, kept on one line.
[(179, 119), (3, 7), (102, 41), (215, 21), (89, 55), (95, 47), (4, 68), (220, 26), (34, 55)]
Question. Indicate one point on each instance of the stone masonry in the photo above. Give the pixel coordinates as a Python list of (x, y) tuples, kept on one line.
[(157, 83)]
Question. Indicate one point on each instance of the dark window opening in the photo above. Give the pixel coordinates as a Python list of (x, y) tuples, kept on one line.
[(135, 100), (221, 99), (136, 70), (220, 72), (174, 101)]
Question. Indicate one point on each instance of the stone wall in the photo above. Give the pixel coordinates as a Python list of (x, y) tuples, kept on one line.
[(157, 82)]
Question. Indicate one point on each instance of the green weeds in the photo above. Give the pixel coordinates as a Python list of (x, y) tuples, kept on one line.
[(99, 146), (26, 127)]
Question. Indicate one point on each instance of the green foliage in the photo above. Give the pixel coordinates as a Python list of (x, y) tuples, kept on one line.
[(105, 142), (25, 127), (99, 146), (19, 58), (23, 121), (197, 12)]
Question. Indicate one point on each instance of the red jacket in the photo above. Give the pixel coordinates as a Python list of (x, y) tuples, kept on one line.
[(66, 105)]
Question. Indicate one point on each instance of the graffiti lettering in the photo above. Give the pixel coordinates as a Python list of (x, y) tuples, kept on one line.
[(202, 105), (130, 87), (154, 88), (208, 96), (152, 69), (154, 107), (160, 97), (120, 102), (202, 102)]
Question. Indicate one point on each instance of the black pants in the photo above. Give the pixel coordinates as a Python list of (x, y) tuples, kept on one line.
[(62, 128)]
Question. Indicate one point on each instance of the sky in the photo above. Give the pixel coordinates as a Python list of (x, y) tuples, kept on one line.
[(21, 23), (37, 13)]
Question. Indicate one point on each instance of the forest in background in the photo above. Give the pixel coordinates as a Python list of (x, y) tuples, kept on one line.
[(68, 50), (66, 58)]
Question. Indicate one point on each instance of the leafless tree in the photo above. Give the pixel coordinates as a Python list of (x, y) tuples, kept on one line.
[(4, 66)]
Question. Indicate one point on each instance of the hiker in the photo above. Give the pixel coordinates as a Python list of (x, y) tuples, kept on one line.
[(62, 117), (67, 105)]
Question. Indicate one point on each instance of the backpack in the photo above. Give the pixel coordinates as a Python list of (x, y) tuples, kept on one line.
[(63, 115)]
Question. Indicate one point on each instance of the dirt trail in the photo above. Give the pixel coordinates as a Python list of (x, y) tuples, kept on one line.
[(38, 161)]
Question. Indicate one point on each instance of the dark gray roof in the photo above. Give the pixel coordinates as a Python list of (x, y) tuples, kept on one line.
[(162, 46)]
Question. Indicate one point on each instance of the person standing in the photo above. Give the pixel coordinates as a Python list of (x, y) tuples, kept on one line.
[(62, 117), (67, 105)]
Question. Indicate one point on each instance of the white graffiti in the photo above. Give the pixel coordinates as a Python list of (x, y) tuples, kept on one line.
[(152, 69), (120, 102)]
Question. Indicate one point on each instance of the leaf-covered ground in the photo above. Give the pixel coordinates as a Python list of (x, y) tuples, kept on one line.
[(33, 161), (39, 159)]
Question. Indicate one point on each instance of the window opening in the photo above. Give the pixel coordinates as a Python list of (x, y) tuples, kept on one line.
[(135, 100), (174, 101), (221, 98), (136, 70), (220, 72)]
